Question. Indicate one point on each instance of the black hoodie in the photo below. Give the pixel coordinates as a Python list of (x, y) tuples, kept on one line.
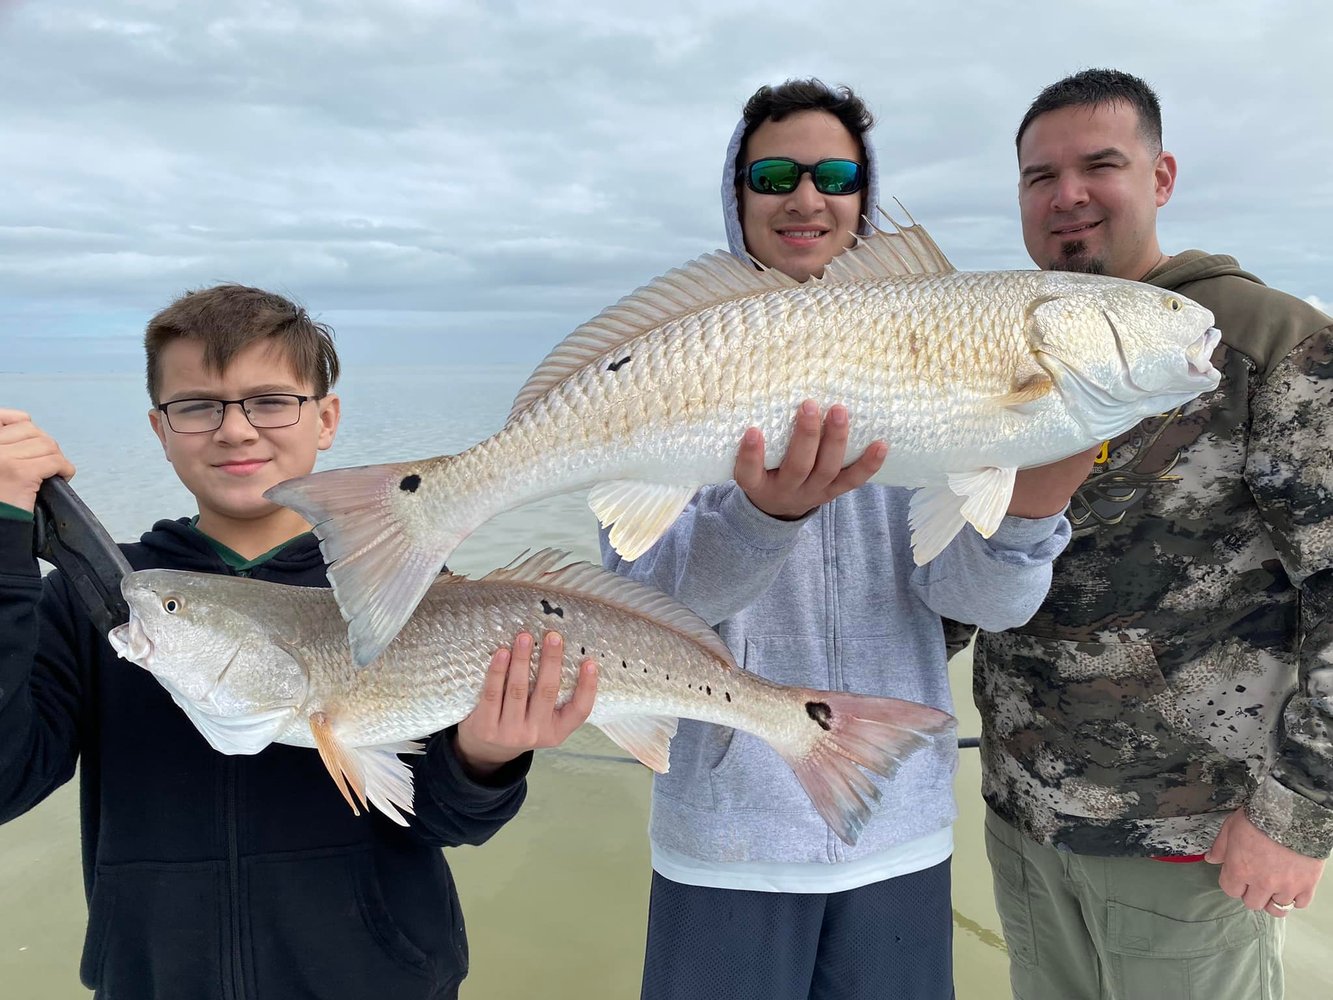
[(213, 876)]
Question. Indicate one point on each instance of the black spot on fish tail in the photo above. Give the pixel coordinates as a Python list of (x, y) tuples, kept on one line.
[(554, 609), (409, 484), (708, 690), (728, 694), (820, 712), (615, 366), (623, 664)]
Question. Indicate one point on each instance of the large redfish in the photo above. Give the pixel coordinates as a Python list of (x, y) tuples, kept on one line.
[(252, 663), (969, 377)]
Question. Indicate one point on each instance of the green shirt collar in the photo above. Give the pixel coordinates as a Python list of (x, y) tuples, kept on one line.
[(234, 559)]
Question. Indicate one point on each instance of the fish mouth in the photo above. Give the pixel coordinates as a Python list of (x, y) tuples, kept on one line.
[(131, 642), (1199, 354)]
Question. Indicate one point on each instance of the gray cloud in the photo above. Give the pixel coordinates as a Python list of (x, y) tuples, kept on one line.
[(466, 180)]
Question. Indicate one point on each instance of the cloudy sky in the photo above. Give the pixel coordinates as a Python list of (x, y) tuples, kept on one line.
[(468, 181)]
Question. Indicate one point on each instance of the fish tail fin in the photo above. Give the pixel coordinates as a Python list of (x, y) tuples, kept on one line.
[(380, 560), (874, 733)]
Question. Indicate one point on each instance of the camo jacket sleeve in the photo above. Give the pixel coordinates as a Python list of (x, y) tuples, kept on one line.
[(1289, 468)]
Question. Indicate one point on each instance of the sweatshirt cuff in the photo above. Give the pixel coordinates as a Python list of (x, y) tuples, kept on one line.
[(1290, 819), (8, 512), (754, 527), (16, 549), (1027, 532), (447, 776)]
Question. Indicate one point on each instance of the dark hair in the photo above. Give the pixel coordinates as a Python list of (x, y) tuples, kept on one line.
[(772, 104), (1097, 87), (227, 318)]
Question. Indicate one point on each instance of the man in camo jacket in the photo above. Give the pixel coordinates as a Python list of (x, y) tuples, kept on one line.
[(1172, 701)]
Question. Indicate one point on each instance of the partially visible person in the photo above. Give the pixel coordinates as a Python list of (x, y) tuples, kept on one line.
[(807, 574), (1172, 702), (212, 876)]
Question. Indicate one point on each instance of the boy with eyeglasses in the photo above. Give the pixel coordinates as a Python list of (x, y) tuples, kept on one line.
[(806, 572), (212, 876)]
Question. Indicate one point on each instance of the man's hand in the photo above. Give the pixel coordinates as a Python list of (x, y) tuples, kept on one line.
[(28, 455), (1046, 489), (1261, 872), (811, 472), (510, 719)]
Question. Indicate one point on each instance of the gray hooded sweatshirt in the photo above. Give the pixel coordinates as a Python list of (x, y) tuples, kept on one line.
[(832, 601)]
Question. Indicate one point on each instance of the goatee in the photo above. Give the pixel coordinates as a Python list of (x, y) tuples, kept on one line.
[(1074, 257)]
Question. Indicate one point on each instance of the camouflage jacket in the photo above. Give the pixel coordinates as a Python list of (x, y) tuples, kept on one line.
[(1182, 664)]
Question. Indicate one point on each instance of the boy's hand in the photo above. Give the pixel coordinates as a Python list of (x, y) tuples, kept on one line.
[(811, 472), (510, 719), (28, 455)]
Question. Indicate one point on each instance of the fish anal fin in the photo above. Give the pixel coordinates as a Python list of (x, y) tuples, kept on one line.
[(646, 737), (637, 513)]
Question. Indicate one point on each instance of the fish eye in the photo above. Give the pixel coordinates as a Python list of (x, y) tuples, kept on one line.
[(1175, 305), (172, 604)]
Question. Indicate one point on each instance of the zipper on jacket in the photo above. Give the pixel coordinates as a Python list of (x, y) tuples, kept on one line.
[(236, 969), (236, 964)]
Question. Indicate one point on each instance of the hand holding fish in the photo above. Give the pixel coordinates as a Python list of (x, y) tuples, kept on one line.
[(811, 473), (512, 716), (1045, 489), (28, 455)]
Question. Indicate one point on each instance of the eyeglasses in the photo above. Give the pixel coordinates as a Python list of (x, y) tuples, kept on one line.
[(781, 175), (265, 411)]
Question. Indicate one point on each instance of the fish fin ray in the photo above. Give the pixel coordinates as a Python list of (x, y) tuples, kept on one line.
[(637, 513), (1021, 399), (707, 281), (987, 494), (646, 737), (909, 250), (863, 731), (551, 570), (388, 778), (342, 766), (378, 572), (935, 514)]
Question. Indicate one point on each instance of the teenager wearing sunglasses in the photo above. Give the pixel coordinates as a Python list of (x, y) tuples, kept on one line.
[(810, 581)]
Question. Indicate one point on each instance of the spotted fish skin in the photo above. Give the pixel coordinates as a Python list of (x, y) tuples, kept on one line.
[(969, 376), (253, 663)]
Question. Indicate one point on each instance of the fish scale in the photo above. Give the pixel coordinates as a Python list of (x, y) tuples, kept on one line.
[(253, 663), (968, 376)]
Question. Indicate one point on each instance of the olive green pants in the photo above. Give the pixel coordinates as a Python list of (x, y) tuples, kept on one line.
[(1080, 927)]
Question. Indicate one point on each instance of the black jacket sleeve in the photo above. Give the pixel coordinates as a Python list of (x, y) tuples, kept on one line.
[(453, 809), (42, 676)]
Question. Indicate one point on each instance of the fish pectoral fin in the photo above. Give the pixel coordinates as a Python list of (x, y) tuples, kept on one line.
[(646, 737), (637, 513), (987, 493), (375, 775), (235, 734), (1023, 398)]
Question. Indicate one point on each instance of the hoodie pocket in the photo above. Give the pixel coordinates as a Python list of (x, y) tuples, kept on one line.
[(155, 930), (320, 926), (1104, 716), (750, 774)]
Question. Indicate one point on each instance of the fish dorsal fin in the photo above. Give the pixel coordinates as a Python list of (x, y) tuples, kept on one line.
[(707, 281), (906, 251), (549, 569)]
